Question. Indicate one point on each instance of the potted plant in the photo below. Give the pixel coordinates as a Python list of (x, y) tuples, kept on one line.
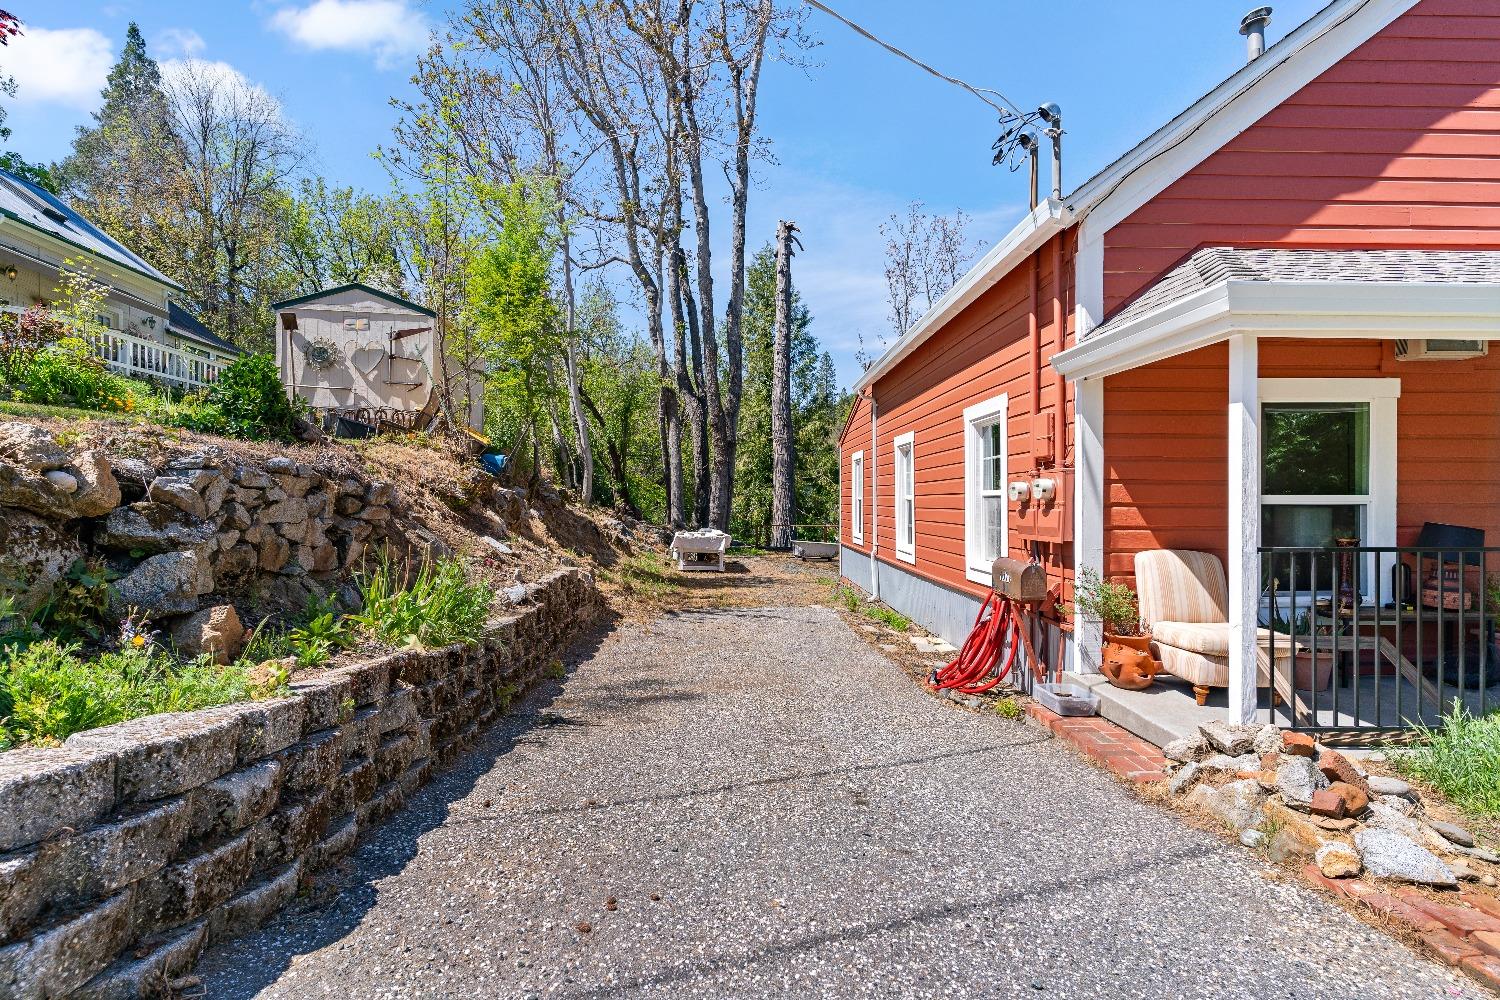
[(1126, 657), (1313, 671)]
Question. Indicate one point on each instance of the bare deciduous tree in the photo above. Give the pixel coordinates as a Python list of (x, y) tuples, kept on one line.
[(236, 152), (925, 255)]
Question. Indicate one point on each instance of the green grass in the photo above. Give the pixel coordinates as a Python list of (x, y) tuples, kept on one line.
[(313, 638), (17, 409), (1460, 758), (49, 692), (847, 596), (886, 616), (646, 574), (439, 607)]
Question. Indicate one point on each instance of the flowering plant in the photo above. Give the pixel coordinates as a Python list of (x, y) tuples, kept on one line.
[(136, 635)]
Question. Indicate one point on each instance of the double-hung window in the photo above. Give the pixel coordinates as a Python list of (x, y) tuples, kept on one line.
[(906, 498), (1328, 449), (985, 480), (857, 496)]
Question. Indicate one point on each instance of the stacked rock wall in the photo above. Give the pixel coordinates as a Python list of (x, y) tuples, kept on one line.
[(127, 850), (270, 531)]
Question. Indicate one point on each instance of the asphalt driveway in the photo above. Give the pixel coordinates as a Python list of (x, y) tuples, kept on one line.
[(754, 803)]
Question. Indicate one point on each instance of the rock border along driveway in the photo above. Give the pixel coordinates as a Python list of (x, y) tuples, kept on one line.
[(130, 848)]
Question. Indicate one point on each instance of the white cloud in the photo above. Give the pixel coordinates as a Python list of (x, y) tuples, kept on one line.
[(389, 29), (188, 74), (64, 66), (180, 43)]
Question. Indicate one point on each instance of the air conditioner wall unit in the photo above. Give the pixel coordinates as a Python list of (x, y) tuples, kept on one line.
[(1441, 350)]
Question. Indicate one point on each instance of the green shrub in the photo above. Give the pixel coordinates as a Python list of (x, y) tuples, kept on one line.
[(319, 637), (847, 596), (68, 371), (1113, 604), (1460, 758), (22, 338), (247, 401), (48, 692), (1009, 708), (78, 604), (894, 619), (439, 607)]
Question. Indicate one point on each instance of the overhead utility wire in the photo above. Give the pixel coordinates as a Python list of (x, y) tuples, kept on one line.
[(1008, 108)]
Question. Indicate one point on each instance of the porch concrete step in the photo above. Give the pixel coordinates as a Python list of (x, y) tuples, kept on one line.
[(1163, 712)]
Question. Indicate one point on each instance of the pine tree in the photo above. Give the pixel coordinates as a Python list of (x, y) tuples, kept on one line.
[(133, 102), (817, 412), (115, 170)]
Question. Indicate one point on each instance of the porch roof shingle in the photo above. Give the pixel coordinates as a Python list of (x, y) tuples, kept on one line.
[(1211, 265)]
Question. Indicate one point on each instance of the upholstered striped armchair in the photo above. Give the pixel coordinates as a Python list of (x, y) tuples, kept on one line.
[(1184, 598)]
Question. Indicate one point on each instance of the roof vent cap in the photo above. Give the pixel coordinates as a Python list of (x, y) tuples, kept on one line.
[(1253, 27)]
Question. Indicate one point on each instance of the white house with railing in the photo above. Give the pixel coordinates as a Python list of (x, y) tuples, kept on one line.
[(141, 331)]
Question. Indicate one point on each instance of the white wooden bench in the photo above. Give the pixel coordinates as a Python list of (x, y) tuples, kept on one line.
[(690, 547)]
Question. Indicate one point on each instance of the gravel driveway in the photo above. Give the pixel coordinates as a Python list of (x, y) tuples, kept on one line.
[(753, 803)]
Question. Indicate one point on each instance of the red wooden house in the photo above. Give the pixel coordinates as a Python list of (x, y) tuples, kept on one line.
[(1266, 326)]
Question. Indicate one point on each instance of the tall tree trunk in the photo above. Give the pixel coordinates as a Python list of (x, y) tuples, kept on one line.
[(575, 393), (563, 454), (783, 458), (724, 408), (689, 362)]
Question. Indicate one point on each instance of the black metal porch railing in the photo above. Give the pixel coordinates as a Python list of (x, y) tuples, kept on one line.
[(1369, 639)]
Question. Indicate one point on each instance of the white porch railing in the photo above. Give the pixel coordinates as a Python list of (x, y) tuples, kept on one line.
[(140, 358), (148, 359)]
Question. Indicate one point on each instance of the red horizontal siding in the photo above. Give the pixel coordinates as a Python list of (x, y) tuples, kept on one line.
[(1398, 145), (856, 438), (1166, 457), (983, 352)]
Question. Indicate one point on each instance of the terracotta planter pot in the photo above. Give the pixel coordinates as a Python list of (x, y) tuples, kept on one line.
[(1313, 672), (1141, 643), (1127, 661)]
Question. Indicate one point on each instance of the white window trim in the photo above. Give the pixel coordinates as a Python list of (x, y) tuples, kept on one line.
[(976, 417), (905, 551), (1382, 395), (857, 497)]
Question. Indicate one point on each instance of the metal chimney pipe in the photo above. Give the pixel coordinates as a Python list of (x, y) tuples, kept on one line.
[(1051, 113), (1253, 27), (1028, 142)]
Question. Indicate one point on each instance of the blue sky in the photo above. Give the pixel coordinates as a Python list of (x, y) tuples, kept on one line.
[(857, 135)]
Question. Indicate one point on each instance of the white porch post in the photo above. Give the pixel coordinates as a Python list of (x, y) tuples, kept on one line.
[(1088, 512), (1244, 523)]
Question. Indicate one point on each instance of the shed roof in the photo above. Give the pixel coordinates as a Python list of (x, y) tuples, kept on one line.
[(354, 286)]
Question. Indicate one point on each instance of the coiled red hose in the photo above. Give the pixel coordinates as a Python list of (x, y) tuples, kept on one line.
[(978, 668)]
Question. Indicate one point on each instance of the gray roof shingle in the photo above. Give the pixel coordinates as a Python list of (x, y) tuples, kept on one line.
[(1211, 265), (185, 323)]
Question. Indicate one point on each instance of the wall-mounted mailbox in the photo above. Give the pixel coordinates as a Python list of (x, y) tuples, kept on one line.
[(1020, 581)]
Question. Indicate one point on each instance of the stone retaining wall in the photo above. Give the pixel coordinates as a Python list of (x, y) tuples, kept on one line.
[(127, 850), (198, 525)]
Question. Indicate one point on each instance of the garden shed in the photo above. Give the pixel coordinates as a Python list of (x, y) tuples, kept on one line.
[(368, 356)]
